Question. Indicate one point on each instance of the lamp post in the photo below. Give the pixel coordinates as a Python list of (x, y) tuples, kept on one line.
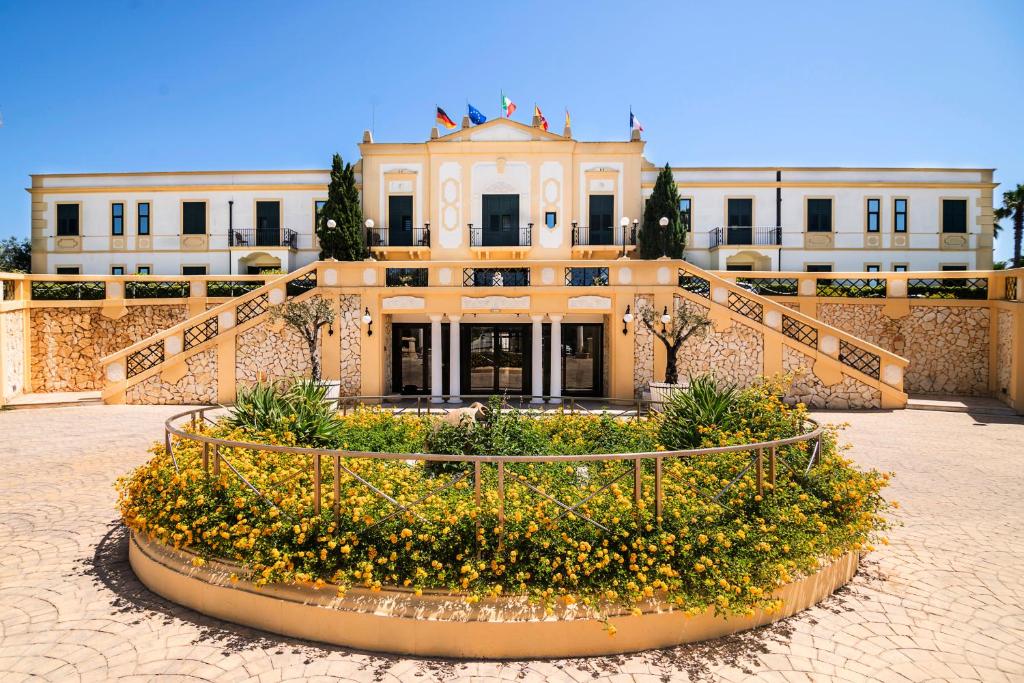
[(662, 237), (369, 231), (624, 222)]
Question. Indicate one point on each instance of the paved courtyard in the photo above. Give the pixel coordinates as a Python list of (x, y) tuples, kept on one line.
[(944, 601)]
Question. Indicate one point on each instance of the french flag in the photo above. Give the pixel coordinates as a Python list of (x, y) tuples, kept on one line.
[(634, 122)]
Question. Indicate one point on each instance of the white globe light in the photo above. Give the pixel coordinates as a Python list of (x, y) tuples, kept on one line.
[(624, 222), (367, 319), (665, 319), (627, 318), (663, 221), (369, 223), (331, 223)]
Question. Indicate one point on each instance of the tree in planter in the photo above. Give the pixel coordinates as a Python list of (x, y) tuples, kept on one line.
[(345, 241), (674, 332), (307, 317), (1013, 207), (657, 240)]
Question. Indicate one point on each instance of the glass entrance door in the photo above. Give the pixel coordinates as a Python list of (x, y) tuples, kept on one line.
[(500, 220), (268, 224), (582, 363), (400, 221), (496, 358), (410, 358), (602, 222)]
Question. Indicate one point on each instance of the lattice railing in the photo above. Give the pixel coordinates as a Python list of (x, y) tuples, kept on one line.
[(145, 358), (586, 276), (156, 289), (201, 332), (694, 284), (47, 290), (301, 284), (495, 277), (406, 277), (859, 359), (800, 331), (857, 288), (972, 288), (746, 306), (773, 286), (231, 288), (249, 309)]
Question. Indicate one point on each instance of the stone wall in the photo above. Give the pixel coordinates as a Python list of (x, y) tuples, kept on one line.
[(349, 337), (13, 353), (734, 355), (197, 385), (1004, 354), (643, 346), (67, 343), (808, 389), (269, 352), (947, 346)]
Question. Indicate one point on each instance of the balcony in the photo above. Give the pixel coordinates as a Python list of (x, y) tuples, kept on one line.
[(506, 241), (262, 237), (745, 236), (601, 242), (399, 241), (495, 277)]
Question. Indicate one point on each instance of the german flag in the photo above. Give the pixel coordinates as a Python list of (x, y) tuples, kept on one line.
[(444, 119)]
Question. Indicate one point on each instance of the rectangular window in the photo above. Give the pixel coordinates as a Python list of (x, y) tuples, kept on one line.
[(899, 215), (117, 270), (872, 268), (193, 270), (143, 216), (954, 215), (874, 223), (899, 268), (550, 218), (193, 218), (685, 212), (740, 213), (68, 270), (318, 208), (117, 218), (818, 268), (955, 267), (819, 215), (144, 270), (67, 220)]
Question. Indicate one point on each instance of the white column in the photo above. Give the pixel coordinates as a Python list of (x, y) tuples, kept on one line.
[(537, 374), (556, 357), (436, 378), (454, 360)]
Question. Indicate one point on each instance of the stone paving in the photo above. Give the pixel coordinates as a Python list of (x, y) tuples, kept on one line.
[(944, 601)]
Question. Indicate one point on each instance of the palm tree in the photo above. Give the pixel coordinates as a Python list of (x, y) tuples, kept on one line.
[(1013, 206)]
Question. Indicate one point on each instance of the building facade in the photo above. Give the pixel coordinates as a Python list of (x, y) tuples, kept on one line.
[(507, 190)]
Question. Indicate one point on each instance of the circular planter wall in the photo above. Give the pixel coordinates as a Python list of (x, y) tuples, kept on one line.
[(443, 625)]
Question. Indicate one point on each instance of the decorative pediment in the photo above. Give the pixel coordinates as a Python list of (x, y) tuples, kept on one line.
[(500, 130)]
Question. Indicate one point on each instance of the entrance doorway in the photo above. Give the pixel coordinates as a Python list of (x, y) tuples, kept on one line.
[(410, 358), (496, 359), (268, 223), (500, 220), (582, 359)]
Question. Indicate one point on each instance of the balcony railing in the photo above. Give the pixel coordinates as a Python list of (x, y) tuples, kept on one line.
[(585, 236), (263, 237), (763, 236), (500, 237), (406, 277), (496, 277), (398, 236)]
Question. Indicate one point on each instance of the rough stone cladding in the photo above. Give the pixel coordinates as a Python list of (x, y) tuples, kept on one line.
[(388, 336), (197, 385), (643, 346), (349, 337), (13, 353), (269, 352), (67, 343), (735, 355), (808, 389), (947, 346), (1004, 353)]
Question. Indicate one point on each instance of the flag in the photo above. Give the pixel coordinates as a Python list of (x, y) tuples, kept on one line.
[(475, 116), (444, 119), (634, 122), (568, 121), (543, 121), (507, 106)]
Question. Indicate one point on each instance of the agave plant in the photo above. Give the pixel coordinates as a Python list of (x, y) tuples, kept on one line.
[(300, 409), (705, 403)]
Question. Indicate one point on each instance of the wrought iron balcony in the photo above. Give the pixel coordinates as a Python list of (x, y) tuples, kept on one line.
[(761, 236), (263, 237), (496, 277), (380, 236), (585, 236), (406, 277), (480, 236)]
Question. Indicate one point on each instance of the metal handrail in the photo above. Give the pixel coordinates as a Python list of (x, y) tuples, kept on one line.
[(657, 458)]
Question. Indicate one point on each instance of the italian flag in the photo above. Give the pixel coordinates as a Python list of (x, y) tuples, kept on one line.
[(507, 106)]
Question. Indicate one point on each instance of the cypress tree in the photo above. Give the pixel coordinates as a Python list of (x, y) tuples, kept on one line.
[(654, 240), (346, 241)]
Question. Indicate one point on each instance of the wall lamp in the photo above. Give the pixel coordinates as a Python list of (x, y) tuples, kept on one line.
[(665, 318), (627, 318), (368, 320)]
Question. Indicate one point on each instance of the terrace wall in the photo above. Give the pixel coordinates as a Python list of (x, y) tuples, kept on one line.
[(13, 352)]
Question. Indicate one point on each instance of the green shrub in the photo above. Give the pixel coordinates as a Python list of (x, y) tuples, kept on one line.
[(705, 403), (298, 412)]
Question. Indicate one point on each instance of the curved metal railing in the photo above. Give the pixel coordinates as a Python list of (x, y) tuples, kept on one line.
[(764, 459)]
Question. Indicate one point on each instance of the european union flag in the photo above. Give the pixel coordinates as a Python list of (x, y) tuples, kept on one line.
[(475, 116)]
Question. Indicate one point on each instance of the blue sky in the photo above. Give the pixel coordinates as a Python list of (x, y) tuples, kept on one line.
[(130, 86)]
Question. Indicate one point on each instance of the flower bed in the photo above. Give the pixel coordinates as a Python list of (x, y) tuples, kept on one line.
[(569, 529)]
